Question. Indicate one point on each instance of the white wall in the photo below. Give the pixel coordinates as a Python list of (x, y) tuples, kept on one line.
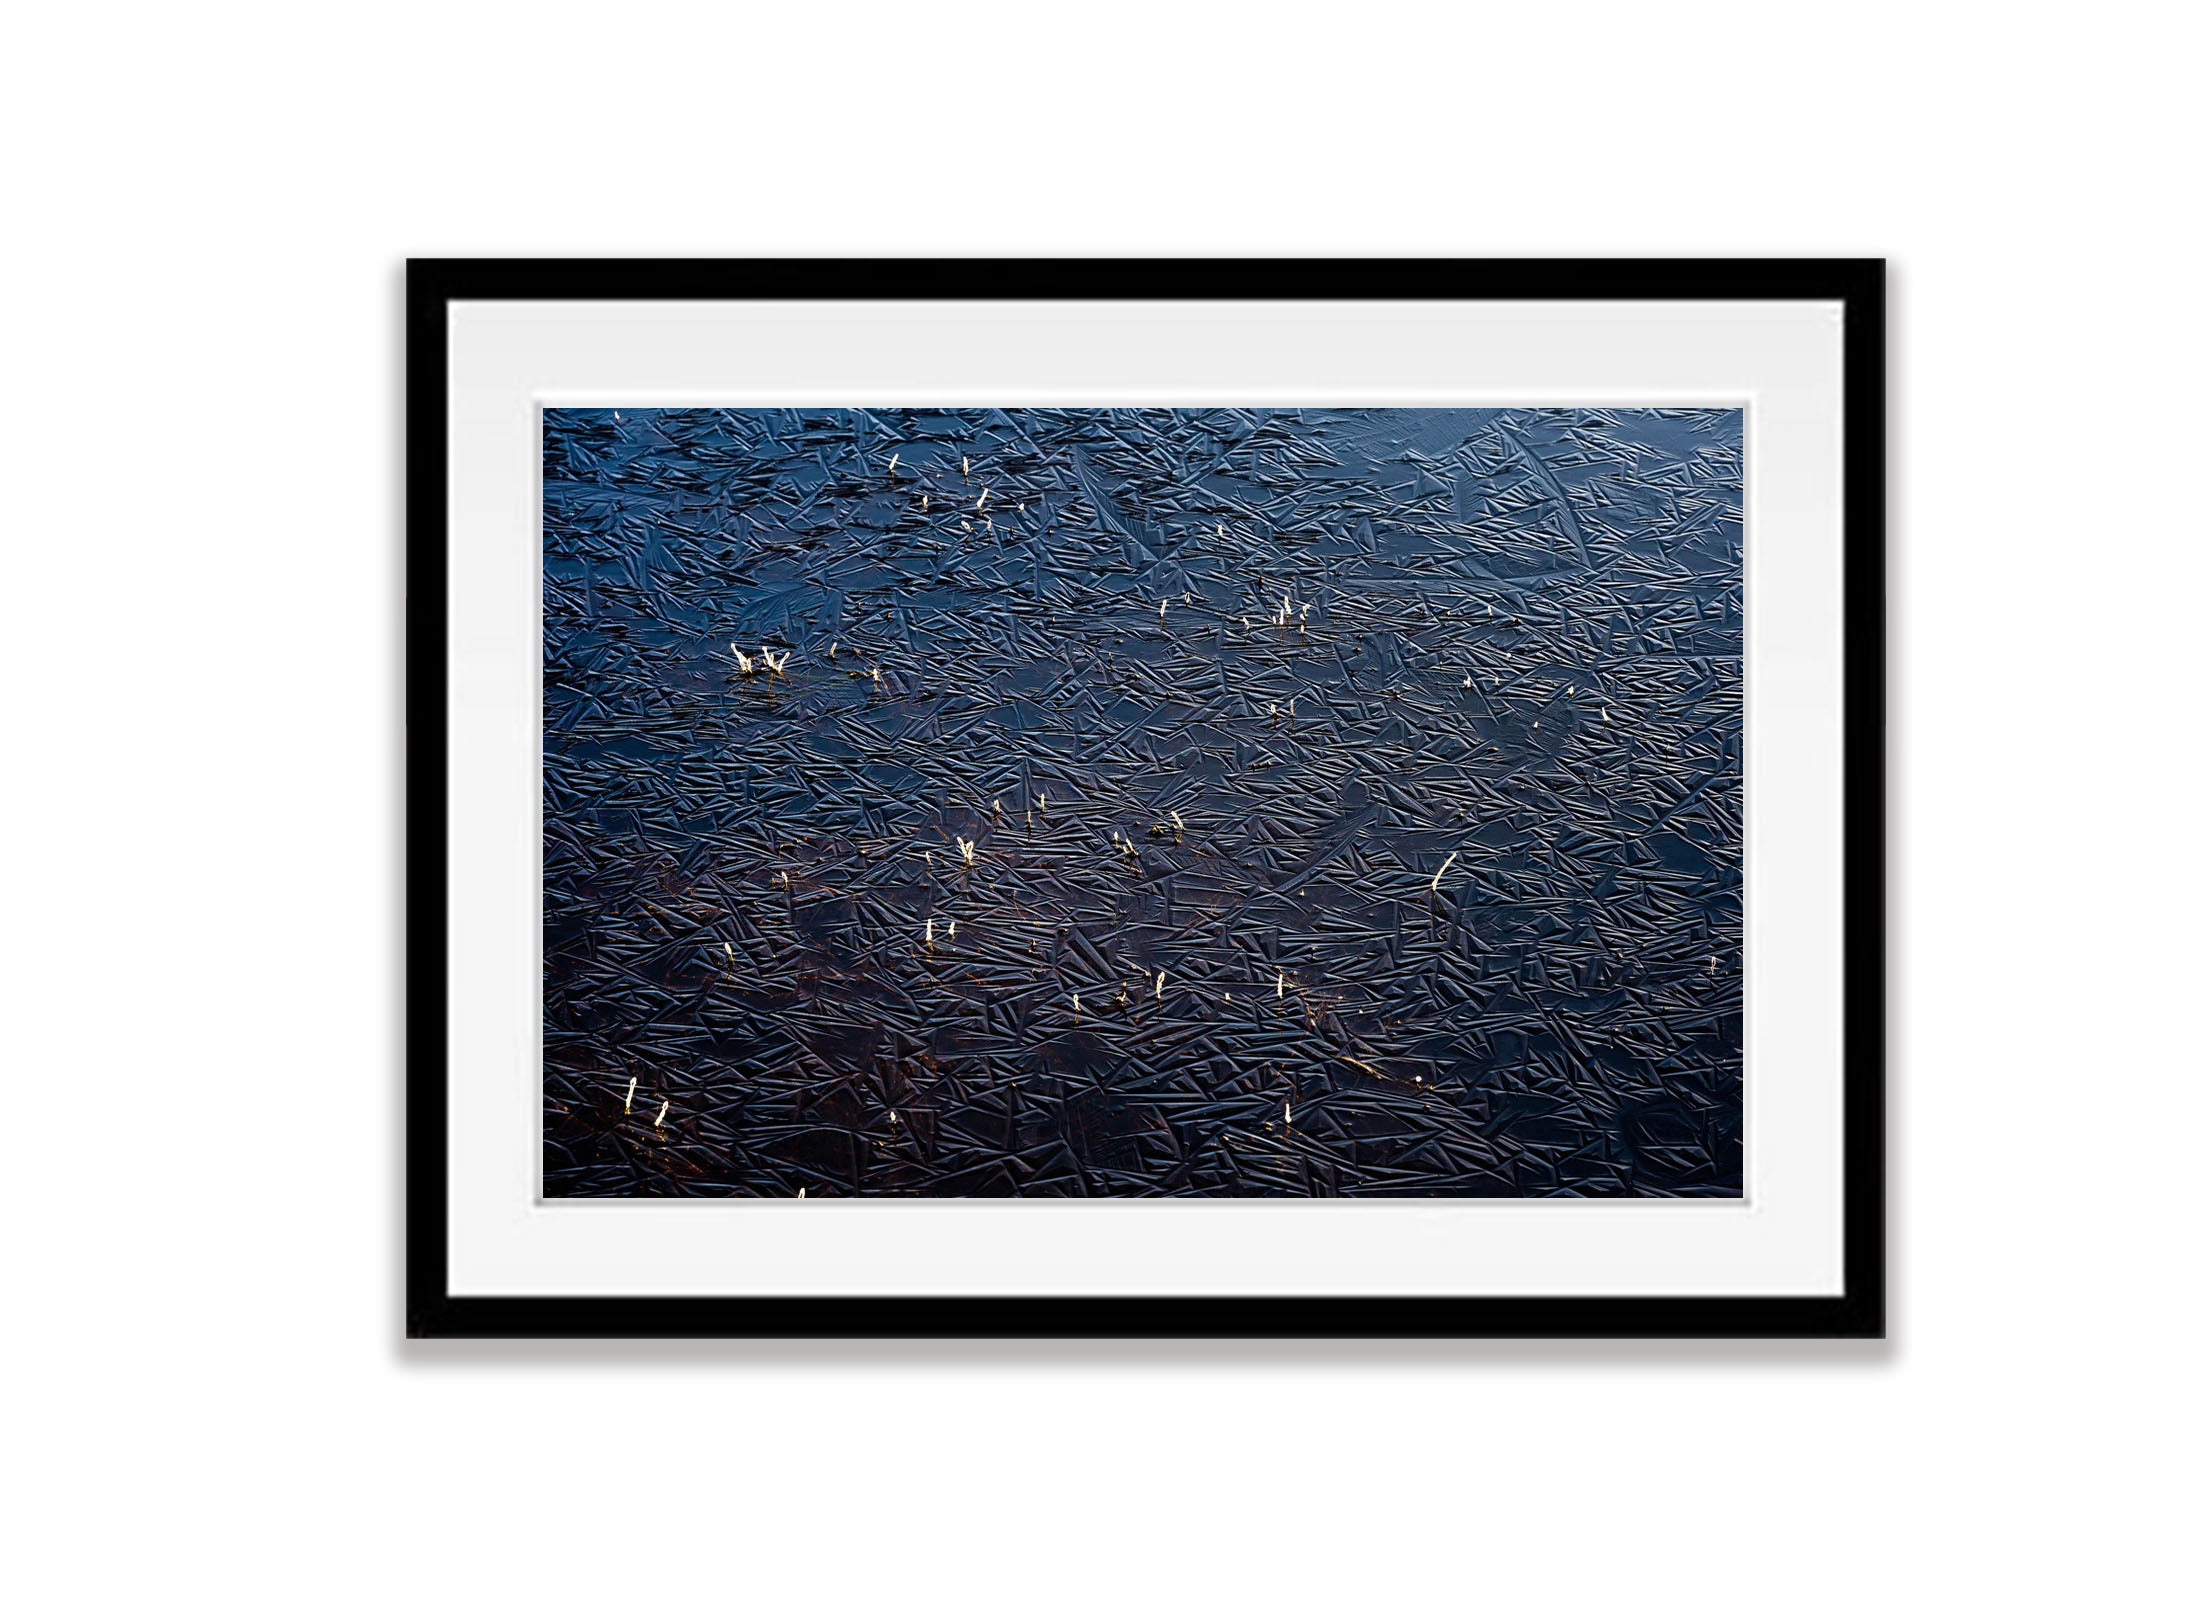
[(207, 208)]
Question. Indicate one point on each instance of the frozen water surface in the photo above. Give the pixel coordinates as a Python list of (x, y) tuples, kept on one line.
[(1400, 856)]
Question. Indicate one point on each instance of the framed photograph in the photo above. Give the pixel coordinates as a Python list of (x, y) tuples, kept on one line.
[(1191, 798)]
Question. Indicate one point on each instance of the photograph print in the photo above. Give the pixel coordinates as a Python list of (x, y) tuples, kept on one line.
[(1092, 803)]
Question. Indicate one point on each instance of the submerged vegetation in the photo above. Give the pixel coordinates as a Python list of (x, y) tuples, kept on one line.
[(1142, 802)]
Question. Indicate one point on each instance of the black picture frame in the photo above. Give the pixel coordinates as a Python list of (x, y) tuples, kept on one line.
[(432, 1311)]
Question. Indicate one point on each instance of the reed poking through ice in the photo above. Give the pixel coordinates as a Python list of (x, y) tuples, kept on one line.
[(1440, 871)]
